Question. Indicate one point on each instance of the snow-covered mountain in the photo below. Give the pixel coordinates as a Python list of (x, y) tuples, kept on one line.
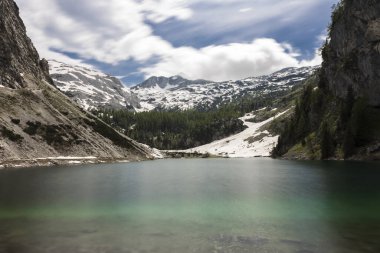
[(179, 93), (172, 82), (92, 89)]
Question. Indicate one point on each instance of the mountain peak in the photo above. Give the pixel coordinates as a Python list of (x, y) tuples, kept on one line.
[(162, 81), (172, 82)]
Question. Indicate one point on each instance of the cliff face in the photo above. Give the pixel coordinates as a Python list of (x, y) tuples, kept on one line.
[(19, 61), (338, 115), (37, 120), (352, 57)]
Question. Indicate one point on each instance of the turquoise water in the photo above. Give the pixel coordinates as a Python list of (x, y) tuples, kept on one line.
[(212, 205)]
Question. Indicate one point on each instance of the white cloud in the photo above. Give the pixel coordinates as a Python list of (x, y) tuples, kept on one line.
[(160, 10), (225, 62), (316, 60), (116, 30), (244, 10), (259, 15), (107, 31)]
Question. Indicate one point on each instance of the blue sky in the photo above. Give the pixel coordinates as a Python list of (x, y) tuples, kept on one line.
[(209, 39)]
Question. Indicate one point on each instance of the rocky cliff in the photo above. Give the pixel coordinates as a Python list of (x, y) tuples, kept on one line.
[(352, 56), (20, 65), (338, 115), (36, 119)]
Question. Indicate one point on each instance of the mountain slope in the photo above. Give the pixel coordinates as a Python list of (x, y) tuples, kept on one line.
[(338, 115), (179, 93), (37, 120), (92, 89)]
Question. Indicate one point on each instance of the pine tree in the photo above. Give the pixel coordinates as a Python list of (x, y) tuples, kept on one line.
[(326, 142), (348, 143)]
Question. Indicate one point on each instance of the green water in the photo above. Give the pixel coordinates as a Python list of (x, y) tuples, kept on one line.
[(183, 206)]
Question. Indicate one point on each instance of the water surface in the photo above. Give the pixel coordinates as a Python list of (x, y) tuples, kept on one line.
[(181, 206)]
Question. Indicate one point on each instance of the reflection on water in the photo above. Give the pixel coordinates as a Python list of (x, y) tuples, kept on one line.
[(215, 205)]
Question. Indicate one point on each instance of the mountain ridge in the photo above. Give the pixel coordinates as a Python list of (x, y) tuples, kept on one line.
[(163, 81), (181, 94), (91, 89)]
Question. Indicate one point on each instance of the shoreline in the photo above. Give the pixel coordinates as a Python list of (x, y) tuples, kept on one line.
[(172, 154), (59, 161), (178, 154)]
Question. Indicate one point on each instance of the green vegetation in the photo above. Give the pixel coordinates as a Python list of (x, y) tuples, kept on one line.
[(54, 135), (109, 132), (10, 134), (174, 130), (263, 115), (16, 121), (337, 14), (32, 127), (324, 126)]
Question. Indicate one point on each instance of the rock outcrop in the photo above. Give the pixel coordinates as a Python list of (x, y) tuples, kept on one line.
[(352, 56), (36, 119), (19, 60)]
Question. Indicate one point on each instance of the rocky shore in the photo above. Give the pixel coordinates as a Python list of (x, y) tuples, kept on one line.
[(57, 161)]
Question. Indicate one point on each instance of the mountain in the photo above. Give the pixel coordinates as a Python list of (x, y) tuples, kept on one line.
[(164, 82), (179, 93), (338, 115), (92, 89), (39, 124)]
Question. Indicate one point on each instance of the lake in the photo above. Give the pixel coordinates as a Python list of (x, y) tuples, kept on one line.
[(199, 205)]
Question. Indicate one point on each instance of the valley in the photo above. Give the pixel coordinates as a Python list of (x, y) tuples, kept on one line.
[(176, 113), (92, 164)]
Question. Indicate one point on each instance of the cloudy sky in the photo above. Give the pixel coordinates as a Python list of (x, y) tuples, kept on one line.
[(208, 39)]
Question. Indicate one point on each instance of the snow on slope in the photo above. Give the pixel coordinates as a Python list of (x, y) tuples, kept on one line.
[(244, 144), (179, 93), (92, 89)]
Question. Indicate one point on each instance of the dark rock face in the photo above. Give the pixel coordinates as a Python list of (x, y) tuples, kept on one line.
[(352, 57), (19, 60)]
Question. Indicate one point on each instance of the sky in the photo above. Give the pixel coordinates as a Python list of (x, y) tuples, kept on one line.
[(215, 40)]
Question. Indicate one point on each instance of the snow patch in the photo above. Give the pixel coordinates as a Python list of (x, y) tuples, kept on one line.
[(154, 152), (239, 145)]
